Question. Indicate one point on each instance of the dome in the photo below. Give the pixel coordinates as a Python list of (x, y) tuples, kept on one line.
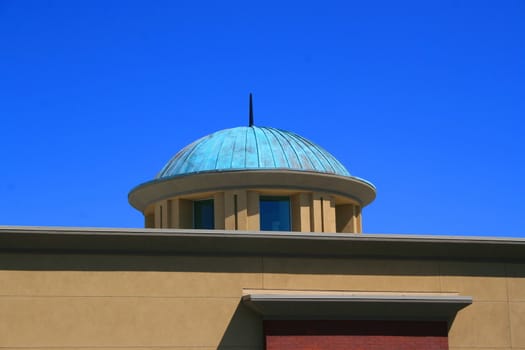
[(252, 148)]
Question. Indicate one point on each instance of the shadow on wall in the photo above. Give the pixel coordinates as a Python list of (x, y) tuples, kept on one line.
[(256, 264), (245, 331)]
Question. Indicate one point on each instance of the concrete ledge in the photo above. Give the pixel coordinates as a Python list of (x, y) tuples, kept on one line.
[(348, 305), (347, 186), (219, 242)]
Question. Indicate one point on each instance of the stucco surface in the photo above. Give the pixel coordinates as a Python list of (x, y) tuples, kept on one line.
[(517, 321), (516, 282), (350, 274), (481, 325), (104, 321), (484, 281), (137, 276), (125, 301)]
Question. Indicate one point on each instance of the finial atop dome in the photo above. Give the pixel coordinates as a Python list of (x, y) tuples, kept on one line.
[(251, 111)]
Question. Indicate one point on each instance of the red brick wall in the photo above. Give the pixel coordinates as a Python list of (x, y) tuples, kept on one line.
[(355, 335)]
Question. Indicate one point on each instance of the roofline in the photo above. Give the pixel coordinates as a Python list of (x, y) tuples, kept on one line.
[(245, 243), (322, 236)]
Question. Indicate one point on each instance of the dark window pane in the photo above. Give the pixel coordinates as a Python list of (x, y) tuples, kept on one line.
[(275, 213), (203, 217)]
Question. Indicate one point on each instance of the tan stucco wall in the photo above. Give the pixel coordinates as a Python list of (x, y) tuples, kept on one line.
[(239, 210), (192, 302)]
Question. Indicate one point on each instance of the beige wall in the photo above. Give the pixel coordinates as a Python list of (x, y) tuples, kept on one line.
[(184, 302)]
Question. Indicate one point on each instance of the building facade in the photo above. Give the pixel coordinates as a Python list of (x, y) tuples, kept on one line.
[(252, 240)]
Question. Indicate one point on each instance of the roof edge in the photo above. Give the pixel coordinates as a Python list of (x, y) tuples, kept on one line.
[(153, 191), (221, 242)]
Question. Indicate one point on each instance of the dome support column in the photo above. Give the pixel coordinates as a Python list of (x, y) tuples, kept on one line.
[(301, 212), (241, 210), (348, 218), (323, 213)]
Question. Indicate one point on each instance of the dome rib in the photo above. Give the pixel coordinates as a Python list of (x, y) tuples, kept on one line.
[(217, 159), (319, 152), (288, 139), (256, 147), (281, 148)]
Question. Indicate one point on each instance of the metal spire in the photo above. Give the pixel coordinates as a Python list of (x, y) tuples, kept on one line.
[(251, 110)]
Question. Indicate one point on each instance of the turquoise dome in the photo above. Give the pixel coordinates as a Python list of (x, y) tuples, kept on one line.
[(252, 148)]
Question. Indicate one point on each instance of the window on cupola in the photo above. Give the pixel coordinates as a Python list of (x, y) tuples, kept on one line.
[(274, 213), (203, 214)]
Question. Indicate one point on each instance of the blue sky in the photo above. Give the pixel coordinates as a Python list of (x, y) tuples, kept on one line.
[(425, 99)]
